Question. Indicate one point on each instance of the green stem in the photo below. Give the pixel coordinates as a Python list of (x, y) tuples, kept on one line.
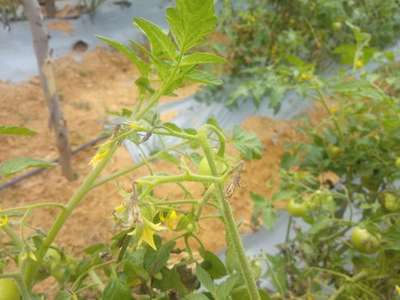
[(31, 268), (333, 117), (170, 132), (204, 202), (13, 236), (289, 226), (96, 280), (32, 206), (343, 287), (189, 177), (130, 169), (78, 280), (221, 138), (231, 228), (156, 97)]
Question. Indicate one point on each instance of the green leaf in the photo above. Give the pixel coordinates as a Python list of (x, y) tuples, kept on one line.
[(346, 52), (164, 155), (213, 265), (225, 288), (248, 144), (264, 206), (196, 297), (171, 280), (160, 42), (242, 294), (64, 295), (269, 215), (258, 200), (16, 165), (14, 130), (277, 272), (117, 290), (198, 58), (129, 53), (288, 161), (205, 279), (156, 260), (96, 248), (191, 21), (203, 77)]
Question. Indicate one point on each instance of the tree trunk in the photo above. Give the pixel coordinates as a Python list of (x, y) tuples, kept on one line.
[(42, 51), (51, 8)]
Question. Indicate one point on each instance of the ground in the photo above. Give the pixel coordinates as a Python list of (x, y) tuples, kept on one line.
[(92, 84)]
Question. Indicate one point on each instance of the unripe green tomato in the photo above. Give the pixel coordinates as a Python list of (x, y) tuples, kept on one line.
[(51, 259), (391, 202), (337, 26), (320, 199), (204, 167), (192, 227), (9, 289), (334, 151), (296, 209), (398, 162), (364, 241)]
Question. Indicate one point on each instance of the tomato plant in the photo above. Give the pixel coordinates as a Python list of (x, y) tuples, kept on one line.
[(267, 37), (143, 260), (346, 175)]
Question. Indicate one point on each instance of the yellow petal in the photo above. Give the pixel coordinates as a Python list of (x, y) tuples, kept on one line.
[(154, 227), (134, 125), (171, 220), (120, 208), (359, 63), (32, 256), (3, 221), (397, 289), (148, 237)]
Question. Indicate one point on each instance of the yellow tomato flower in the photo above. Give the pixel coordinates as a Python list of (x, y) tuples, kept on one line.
[(134, 125), (120, 208), (171, 219), (29, 254), (397, 289), (359, 63), (305, 76), (333, 109), (148, 231), (3, 220)]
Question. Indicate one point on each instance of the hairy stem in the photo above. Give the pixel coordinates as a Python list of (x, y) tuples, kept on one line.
[(231, 228), (31, 268)]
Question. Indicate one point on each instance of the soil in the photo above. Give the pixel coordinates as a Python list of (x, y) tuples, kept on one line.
[(92, 84), (61, 25)]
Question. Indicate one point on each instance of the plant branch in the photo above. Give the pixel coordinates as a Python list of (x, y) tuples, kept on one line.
[(231, 228)]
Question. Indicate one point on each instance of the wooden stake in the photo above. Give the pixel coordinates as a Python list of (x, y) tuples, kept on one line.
[(50, 8), (42, 51)]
